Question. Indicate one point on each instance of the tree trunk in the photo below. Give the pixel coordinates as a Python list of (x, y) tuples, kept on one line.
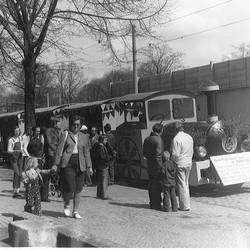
[(29, 99)]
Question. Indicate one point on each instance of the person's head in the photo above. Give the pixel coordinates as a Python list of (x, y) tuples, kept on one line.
[(157, 128), (36, 131), (107, 128), (28, 131), (178, 127), (84, 129), (93, 131), (166, 156), (17, 131), (75, 124), (103, 139), (31, 162), (55, 121)]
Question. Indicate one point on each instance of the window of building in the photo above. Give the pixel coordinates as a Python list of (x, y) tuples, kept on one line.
[(159, 110)]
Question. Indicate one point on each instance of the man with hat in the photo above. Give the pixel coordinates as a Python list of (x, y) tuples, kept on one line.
[(51, 139)]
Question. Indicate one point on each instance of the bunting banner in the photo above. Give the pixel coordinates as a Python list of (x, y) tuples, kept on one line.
[(103, 106)]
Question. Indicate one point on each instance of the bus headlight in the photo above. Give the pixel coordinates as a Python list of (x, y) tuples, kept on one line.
[(200, 152)]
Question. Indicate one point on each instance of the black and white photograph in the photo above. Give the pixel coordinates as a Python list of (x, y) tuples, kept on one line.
[(124, 123)]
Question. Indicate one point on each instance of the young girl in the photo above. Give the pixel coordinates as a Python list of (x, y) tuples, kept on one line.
[(32, 178)]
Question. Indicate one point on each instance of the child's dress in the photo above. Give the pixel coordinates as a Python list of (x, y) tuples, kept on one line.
[(32, 178)]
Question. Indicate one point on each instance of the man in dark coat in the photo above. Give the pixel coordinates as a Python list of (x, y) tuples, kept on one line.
[(94, 138), (112, 145), (51, 139), (153, 151)]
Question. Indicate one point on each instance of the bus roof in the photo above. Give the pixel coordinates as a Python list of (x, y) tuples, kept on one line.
[(148, 95)]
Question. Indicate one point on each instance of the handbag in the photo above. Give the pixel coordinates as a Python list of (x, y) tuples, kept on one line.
[(61, 153)]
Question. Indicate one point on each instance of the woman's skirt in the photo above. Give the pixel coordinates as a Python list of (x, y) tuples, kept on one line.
[(71, 177)]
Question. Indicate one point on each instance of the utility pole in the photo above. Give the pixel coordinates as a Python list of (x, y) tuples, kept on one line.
[(47, 97), (135, 78)]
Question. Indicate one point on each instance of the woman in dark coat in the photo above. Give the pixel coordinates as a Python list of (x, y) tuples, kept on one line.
[(103, 158), (73, 158)]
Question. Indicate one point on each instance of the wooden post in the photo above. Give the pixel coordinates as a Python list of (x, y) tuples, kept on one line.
[(135, 78)]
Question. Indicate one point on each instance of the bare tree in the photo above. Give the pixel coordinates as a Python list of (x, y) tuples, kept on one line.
[(69, 79), (99, 89), (159, 59), (239, 51), (31, 26)]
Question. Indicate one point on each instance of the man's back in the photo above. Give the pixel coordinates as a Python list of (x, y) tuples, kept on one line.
[(152, 150), (182, 149)]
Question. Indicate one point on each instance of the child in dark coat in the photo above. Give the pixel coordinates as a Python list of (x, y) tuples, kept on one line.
[(168, 184)]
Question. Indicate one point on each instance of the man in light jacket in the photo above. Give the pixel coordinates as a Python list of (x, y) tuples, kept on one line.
[(181, 154)]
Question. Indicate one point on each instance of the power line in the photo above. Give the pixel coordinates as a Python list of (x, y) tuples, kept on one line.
[(207, 30), (199, 11), (200, 32)]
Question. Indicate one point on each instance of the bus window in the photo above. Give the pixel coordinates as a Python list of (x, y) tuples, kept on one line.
[(159, 110), (134, 112), (183, 108)]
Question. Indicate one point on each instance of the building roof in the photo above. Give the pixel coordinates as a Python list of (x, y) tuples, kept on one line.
[(49, 109), (86, 104), (10, 114)]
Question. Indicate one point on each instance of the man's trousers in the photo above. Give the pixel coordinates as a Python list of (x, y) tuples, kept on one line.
[(182, 176), (154, 191)]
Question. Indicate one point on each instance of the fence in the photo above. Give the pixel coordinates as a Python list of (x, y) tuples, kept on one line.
[(228, 75)]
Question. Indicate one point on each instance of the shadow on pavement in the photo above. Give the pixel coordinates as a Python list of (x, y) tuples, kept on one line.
[(53, 213), (6, 179), (6, 195), (135, 205), (217, 191), (7, 214)]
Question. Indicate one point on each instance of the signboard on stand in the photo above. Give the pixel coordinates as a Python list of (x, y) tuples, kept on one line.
[(232, 168)]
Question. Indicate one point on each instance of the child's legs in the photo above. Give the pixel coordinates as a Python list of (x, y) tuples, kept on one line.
[(173, 199), (16, 182), (166, 199), (37, 200)]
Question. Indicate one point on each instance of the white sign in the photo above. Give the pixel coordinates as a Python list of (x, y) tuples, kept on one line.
[(232, 168)]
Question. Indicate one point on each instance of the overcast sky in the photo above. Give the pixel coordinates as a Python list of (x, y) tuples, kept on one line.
[(198, 49)]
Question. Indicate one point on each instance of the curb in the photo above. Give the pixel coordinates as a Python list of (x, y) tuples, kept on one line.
[(25, 227)]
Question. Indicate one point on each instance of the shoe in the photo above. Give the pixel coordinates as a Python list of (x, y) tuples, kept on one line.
[(105, 198), (46, 200), (159, 208), (17, 195), (67, 211), (76, 215), (187, 209)]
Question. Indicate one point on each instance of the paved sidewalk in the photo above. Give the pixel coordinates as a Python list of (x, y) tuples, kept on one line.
[(216, 219)]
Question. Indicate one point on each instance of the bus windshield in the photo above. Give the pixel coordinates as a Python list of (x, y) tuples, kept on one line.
[(183, 108), (159, 110)]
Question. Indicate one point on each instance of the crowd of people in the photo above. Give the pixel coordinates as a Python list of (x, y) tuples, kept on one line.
[(169, 171), (78, 158)]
